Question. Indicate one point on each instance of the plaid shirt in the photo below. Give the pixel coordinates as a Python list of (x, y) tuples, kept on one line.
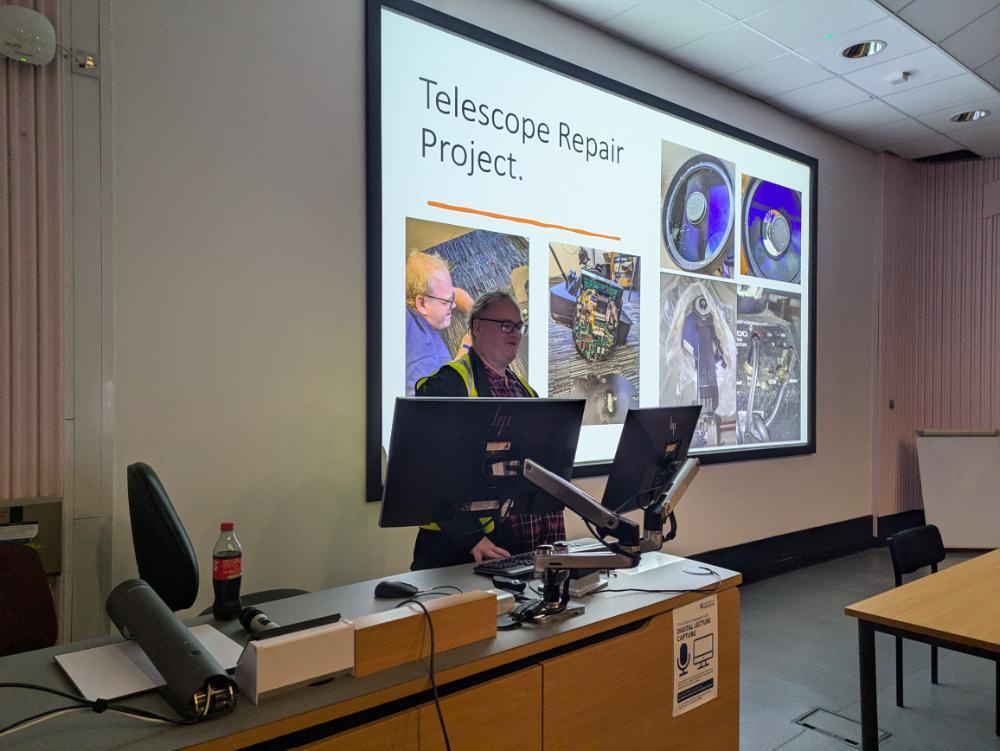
[(531, 530), (528, 530)]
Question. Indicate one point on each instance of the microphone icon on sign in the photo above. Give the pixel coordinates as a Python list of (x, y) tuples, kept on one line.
[(684, 659)]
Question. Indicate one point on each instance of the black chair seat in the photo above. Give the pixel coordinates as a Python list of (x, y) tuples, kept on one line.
[(163, 550)]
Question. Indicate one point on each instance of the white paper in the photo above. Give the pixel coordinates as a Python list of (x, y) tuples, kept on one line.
[(122, 669), (648, 561), (696, 654)]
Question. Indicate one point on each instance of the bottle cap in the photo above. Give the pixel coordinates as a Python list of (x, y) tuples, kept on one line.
[(226, 526)]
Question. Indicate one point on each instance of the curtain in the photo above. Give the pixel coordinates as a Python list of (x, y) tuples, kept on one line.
[(31, 276)]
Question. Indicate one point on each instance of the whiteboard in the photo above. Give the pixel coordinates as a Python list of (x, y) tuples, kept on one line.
[(960, 481)]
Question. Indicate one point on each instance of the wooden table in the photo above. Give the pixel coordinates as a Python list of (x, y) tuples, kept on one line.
[(957, 608), (602, 679)]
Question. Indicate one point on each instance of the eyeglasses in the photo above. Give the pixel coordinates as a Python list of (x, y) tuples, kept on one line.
[(449, 300), (508, 327)]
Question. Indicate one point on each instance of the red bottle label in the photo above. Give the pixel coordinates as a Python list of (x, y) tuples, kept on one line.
[(227, 568)]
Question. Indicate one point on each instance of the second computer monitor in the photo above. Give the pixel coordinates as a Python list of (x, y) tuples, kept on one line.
[(653, 444)]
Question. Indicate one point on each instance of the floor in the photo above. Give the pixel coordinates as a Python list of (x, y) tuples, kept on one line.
[(799, 652)]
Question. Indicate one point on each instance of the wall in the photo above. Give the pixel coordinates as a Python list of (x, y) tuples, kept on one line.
[(937, 323), (239, 285)]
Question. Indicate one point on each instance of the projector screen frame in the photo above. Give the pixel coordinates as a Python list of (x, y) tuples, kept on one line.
[(374, 456)]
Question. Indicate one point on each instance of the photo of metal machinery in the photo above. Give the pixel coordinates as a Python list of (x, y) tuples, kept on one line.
[(698, 353), (698, 213), (594, 330), (768, 384), (772, 231)]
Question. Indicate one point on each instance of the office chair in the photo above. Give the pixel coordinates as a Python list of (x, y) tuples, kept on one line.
[(27, 613), (163, 551), (910, 550)]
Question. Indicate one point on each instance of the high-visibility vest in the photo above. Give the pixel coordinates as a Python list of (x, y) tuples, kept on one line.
[(463, 366)]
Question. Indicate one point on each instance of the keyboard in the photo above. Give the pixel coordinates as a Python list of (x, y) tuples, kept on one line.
[(521, 566)]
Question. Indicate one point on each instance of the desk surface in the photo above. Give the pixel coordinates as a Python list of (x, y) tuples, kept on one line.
[(343, 696), (960, 603)]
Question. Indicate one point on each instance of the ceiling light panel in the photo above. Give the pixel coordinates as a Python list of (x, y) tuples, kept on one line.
[(898, 37), (941, 121)]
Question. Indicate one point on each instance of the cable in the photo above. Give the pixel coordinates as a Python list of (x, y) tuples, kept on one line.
[(441, 586), (98, 706), (434, 690), (27, 722)]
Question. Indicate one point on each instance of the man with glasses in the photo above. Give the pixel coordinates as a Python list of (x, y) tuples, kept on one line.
[(430, 299), (484, 370)]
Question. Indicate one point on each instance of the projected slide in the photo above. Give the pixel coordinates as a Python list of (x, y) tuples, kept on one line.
[(657, 261)]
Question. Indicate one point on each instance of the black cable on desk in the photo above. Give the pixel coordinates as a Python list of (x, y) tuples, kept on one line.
[(98, 706), (434, 691)]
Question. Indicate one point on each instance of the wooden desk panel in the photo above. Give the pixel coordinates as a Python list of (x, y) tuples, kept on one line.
[(469, 715), (960, 603), (618, 693)]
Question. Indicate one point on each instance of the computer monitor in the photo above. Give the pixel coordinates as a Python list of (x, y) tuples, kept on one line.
[(653, 444), (450, 457)]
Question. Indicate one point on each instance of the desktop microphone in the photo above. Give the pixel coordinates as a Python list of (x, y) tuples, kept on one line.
[(194, 682), (255, 621)]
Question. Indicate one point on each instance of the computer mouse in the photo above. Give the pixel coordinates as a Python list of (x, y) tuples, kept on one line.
[(394, 589)]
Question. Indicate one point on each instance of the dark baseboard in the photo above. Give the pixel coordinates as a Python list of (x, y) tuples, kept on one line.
[(892, 523), (761, 559)]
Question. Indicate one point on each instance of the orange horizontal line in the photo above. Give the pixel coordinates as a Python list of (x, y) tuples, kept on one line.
[(521, 219)]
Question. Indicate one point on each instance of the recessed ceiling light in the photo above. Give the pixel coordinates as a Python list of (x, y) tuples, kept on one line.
[(970, 116), (863, 49)]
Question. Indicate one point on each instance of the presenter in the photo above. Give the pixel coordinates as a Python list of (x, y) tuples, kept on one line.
[(430, 299), (484, 370)]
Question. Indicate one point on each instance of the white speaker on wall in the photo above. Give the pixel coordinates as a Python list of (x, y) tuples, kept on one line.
[(26, 35)]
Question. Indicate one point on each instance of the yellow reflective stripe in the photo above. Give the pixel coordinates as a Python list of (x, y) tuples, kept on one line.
[(486, 521)]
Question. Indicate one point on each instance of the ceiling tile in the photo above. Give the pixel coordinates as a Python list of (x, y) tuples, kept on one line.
[(898, 37), (987, 136), (927, 66), (940, 122), (936, 19), (860, 116), (990, 72), (777, 75), (977, 43), (730, 49), (925, 147), (803, 22), (743, 8), (663, 25), (821, 97), (900, 131), (940, 94), (894, 5), (593, 10)]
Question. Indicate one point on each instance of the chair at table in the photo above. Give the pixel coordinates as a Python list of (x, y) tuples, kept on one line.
[(163, 550), (27, 613), (910, 550)]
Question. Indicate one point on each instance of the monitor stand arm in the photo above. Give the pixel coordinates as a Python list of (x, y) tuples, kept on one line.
[(554, 564)]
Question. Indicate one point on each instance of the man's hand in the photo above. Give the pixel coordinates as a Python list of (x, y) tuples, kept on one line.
[(486, 550)]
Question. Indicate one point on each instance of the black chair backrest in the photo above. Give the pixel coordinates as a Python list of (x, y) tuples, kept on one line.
[(27, 613), (915, 548), (163, 550)]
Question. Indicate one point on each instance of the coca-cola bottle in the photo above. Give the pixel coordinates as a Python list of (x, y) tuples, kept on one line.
[(227, 573)]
